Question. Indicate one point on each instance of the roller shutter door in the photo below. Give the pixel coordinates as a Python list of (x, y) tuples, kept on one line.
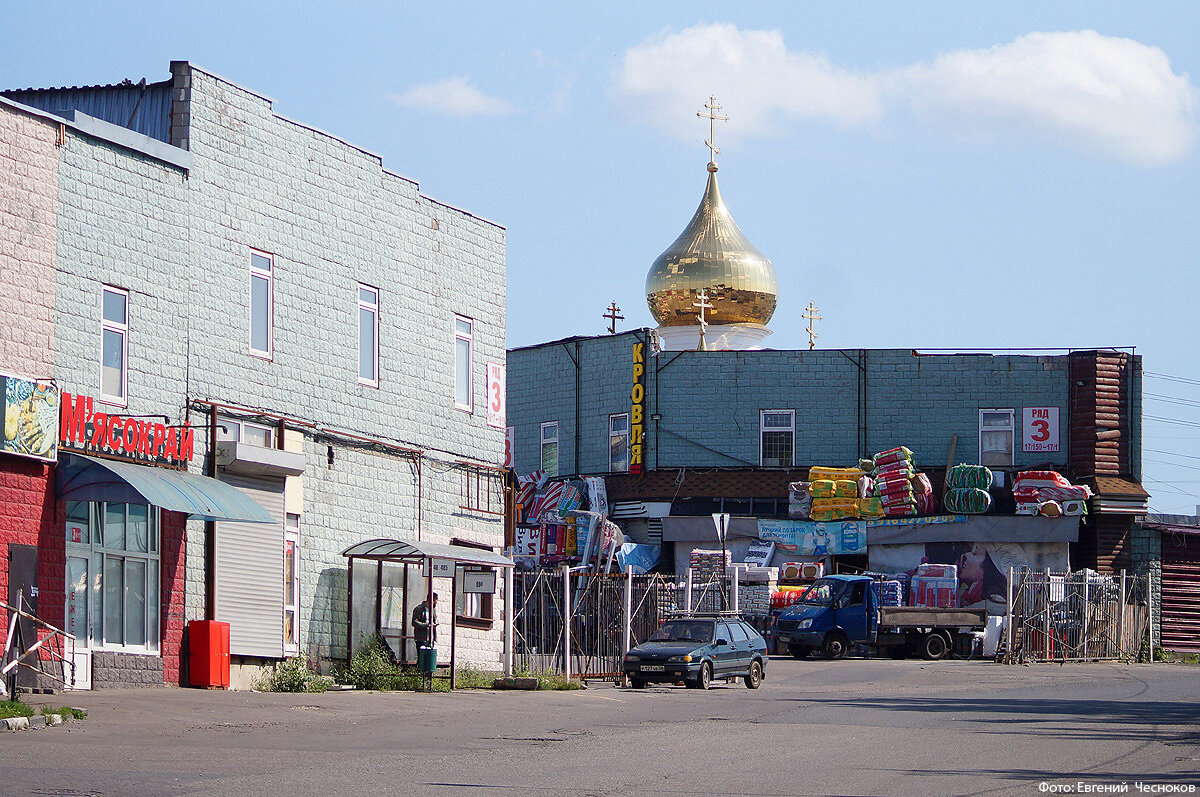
[(249, 573), (1181, 591)]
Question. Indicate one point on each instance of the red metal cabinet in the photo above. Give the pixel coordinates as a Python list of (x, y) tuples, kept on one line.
[(208, 654)]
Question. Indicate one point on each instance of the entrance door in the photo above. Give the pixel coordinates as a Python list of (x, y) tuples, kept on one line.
[(79, 615), (23, 592)]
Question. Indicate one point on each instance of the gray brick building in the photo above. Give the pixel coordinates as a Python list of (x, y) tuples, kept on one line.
[(282, 291)]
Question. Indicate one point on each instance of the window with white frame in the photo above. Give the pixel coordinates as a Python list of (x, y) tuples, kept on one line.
[(618, 443), (262, 304), (256, 434), (777, 433), (472, 606), (114, 352), (113, 585), (464, 344), (996, 427), (368, 335), (549, 437), (291, 582)]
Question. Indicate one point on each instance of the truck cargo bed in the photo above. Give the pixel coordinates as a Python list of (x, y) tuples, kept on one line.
[(923, 617)]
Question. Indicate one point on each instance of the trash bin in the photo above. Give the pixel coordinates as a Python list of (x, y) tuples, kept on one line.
[(427, 660), (208, 654)]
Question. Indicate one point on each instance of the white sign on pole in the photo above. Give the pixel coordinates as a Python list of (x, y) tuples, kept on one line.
[(721, 521), (496, 398), (439, 568), (481, 581), (1041, 429)]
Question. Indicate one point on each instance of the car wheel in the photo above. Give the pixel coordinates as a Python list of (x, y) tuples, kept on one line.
[(835, 646), (935, 646), (637, 683), (754, 679), (799, 651), (705, 677)]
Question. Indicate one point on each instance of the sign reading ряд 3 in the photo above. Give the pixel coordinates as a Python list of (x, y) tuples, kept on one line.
[(637, 397)]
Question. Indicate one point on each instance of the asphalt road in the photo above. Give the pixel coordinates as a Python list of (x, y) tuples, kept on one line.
[(855, 727)]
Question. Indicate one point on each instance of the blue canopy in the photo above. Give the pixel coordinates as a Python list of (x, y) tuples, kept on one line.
[(84, 478)]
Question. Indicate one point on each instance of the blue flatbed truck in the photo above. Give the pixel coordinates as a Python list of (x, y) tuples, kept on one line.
[(836, 612)]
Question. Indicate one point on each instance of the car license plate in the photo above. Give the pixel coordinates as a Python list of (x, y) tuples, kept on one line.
[(652, 668)]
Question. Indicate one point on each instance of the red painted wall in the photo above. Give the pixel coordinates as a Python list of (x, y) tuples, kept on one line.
[(173, 534), (28, 516)]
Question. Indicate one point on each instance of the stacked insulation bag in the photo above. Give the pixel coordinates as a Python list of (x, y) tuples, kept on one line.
[(888, 592), (802, 571), (934, 586), (799, 501), (1048, 493), (967, 490), (786, 596), (834, 493), (894, 473)]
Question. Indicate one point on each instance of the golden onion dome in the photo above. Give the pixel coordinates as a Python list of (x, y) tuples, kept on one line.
[(712, 254)]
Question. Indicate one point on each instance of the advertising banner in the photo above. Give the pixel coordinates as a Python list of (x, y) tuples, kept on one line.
[(30, 426), (1041, 429), (496, 396), (811, 538)]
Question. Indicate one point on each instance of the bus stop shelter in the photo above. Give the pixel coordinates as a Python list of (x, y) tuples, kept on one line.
[(436, 560)]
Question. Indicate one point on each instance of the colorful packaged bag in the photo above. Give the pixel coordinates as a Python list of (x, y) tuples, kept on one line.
[(964, 477), (846, 489), (870, 508), (835, 474), (866, 487), (968, 501), (1039, 478), (921, 484), (1050, 509), (1076, 492), (1074, 507), (892, 455), (823, 488), (827, 509)]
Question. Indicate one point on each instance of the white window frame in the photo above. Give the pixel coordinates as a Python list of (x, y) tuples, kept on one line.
[(291, 534), (1011, 428), (269, 276), (123, 330), (763, 430), (469, 339), (373, 309), (612, 437), (236, 431), (543, 441)]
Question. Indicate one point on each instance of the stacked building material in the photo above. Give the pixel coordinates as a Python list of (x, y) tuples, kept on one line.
[(934, 585), (834, 492), (708, 565), (967, 490), (894, 470), (786, 596), (755, 587), (802, 571), (888, 593), (1048, 493), (799, 500)]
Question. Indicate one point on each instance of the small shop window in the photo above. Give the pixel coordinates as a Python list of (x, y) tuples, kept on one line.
[(262, 304), (777, 430), (996, 437), (291, 582), (618, 443), (114, 355), (549, 458)]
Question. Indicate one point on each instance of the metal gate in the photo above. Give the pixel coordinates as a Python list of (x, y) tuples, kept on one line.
[(1181, 591), (597, 619), (1081, 616)]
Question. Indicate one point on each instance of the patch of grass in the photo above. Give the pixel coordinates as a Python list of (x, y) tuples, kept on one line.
[(551, 681), (292, 675), (65, 711), (469, 676), (14, 708)]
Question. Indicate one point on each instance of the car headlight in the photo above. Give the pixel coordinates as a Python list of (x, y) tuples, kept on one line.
[(805, 623), (684, 658)]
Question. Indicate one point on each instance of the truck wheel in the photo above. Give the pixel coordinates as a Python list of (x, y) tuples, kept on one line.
[(935, 646), (835, 645), (799, 651), (754, 679)]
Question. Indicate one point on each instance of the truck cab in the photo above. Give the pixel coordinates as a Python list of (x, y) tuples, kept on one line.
[(833, 612)]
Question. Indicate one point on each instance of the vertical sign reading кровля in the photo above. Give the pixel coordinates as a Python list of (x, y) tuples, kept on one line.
[(637, 397)]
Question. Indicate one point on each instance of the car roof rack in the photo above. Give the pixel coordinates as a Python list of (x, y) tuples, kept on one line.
[(704, 615)]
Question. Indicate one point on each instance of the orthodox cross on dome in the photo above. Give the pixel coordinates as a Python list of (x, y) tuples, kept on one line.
[(713, 117), (613, 315), (702, 304), (810, 313)]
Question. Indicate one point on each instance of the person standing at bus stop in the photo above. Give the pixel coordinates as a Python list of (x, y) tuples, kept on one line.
[(424, 622)]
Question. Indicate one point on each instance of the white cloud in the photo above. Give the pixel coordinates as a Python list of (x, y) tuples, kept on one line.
[(1078, 89), (453, 96), (665, 79)]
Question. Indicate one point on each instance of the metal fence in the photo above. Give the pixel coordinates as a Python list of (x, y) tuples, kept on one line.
[(1080, 616)]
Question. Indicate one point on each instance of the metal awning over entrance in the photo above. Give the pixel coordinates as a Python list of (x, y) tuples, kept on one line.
[(425, 554), (84, 478)]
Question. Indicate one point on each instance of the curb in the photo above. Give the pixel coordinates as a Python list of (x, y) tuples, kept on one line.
[(35, 722)]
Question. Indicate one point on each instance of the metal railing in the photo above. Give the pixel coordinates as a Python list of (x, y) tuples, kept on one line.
[(51, 655)]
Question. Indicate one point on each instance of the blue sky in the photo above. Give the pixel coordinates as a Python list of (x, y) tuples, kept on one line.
[(932, 175)]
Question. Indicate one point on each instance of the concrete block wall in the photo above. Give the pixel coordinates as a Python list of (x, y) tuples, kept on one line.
[(1146, 557), (28, 223), (710, 402)]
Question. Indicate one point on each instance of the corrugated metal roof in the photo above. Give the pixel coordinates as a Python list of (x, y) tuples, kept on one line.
[(142, 107)]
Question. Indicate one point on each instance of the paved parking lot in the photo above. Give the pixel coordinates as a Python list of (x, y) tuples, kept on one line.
[(852, 727)]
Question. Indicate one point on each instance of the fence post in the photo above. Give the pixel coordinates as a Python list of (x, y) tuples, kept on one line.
[(509, 621), (1046, 621), (1121, 618), (687, 605), (1087, 611), (566, 614), (1150, 614), (1008, 617), (736, 583), (628, 616)]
